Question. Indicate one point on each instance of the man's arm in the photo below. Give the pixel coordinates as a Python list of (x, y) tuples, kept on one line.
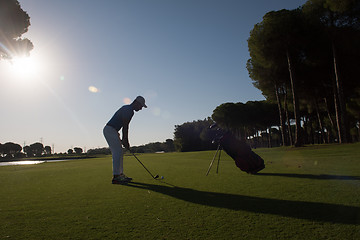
[(125, 134)]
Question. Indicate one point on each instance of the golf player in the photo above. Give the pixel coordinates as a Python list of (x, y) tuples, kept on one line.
[(121, 120)]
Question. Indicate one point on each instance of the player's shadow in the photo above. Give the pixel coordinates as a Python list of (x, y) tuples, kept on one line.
[(322, 212), (311, 176)]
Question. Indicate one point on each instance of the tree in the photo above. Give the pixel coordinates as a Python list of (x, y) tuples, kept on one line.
[(28, 151), (247, 120), (232, 117), (169, 143), (10, 149), (70, 151), (354, 110), (270, 81), (1, 150), (13, 23), (340, 22), (275, 45), (47, 150), (78, 150), (191, 136), (37, 149)]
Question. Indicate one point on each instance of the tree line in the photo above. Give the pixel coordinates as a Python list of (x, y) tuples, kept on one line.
[(306, 61), (255, 122), (167, 146), (13, 150)]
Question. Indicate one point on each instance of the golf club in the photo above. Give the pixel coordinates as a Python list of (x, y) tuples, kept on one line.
[(154, 177)]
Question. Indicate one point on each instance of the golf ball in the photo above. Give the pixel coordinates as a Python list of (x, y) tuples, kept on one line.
[(162, 177)]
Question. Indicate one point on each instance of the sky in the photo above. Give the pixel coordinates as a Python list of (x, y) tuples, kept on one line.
[(90, 57)]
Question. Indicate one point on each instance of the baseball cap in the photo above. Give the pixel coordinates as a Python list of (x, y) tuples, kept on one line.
[(141, 100)]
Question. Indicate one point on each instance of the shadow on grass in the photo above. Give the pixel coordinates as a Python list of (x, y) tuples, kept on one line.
[(322, 212), (310, 176)]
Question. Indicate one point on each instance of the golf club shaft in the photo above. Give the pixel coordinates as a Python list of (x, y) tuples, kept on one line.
[(154, 177)]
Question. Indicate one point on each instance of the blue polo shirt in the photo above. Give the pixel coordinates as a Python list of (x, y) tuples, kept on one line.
[(124, 114)]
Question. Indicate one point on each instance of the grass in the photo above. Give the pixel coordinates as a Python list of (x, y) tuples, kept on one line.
[(303, 193)]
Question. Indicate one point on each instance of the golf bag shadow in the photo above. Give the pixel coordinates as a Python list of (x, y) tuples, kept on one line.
[(244, 157)]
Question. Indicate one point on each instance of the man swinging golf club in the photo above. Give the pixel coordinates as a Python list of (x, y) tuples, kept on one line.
[(121, 119)]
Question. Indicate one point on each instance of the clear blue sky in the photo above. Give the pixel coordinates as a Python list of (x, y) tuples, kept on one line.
[(185, 57)]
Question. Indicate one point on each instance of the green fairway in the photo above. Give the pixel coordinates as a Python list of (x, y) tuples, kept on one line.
[(303, 193)]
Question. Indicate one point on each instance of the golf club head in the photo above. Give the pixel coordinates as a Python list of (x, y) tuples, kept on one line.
[(157, 176)]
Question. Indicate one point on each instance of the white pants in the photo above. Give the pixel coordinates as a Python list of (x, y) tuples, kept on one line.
[(113, 139)]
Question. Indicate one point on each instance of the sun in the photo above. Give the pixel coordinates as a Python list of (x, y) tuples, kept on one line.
[(24, 68), (26, 73)]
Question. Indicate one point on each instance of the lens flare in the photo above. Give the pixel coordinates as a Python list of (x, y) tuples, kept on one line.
[(156, 111), (126, 100), (93, 89)]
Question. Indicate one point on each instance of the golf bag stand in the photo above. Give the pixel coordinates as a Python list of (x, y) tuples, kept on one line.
[(212, 161)]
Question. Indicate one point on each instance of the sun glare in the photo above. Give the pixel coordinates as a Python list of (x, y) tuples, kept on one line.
[(24, 68)]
